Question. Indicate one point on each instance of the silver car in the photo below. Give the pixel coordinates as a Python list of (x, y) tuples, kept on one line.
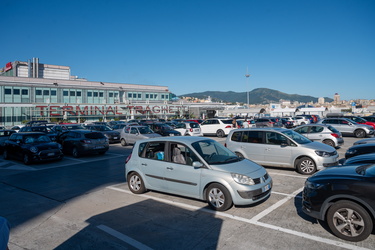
[(196, 167), (281, 147), (131, 134), (322, 133), (349, 127)]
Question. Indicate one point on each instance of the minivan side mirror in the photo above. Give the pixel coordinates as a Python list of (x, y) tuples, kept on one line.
[(197, 164)]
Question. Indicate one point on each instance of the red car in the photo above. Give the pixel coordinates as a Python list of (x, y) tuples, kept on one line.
[(360, 120)]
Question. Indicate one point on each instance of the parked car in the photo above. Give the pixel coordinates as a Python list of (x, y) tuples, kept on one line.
[(308, 117), (112, 135), (217, 126), (195, 120), (349, 127), (4, 135), (365, 141), (131, 134), (281, 147), (59, 128), (369, 118), (286, 123), (32, 147), (17, 127), (272, 122), (189, 128), (344, 197), (80, 142), (360, 159), (40, 128), (322, 133), (360, 120), (301, 120), (163, 129), (290, 120), (196, 167), (360, 150)]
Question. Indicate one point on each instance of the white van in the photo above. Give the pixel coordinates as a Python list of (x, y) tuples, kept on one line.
[(281, 147)]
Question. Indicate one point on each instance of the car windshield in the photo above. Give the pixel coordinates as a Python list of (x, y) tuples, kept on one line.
[(104, 128), (29, 139), (300, 139), (145, 130), (165, 127), (366, 170), (214, 152)]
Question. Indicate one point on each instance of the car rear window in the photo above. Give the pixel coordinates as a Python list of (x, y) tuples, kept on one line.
[(227, 121), (194, 125), (94, 136)]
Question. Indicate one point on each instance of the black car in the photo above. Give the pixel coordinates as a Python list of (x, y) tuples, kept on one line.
[(42, 128), (344, 197), (112, 135), (4, 135), (78, 142), (369, 118), (163, 129), (287, 123), (31, 147), (360, 159), (360, 149)]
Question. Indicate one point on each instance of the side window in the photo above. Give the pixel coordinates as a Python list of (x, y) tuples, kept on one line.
[(155, 150), (344, 122), (133, 131), (275, 138), (236, 136), (182, 154), (303, 130), (255, 136), (141, 148), (318, 129)]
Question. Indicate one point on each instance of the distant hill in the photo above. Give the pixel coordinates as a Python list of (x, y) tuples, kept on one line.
[(256, 96)]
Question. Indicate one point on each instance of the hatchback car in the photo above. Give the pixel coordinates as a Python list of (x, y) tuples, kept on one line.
[(196, 167), (163, 129), (280, 147), (189, 128), (80, 142), (4, 135), (131, 134), (216, 126), (322, 133), (360, 150), (349, 127), (344, 197), (272, 122), (112, 135), (32, 147)]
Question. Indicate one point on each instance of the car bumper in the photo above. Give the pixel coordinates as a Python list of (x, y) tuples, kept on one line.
[(247, 195), (324, 162)]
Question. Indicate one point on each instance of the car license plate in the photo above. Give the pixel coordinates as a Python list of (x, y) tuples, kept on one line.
[(98, 147), (171, 134), (266, 188), (50, 154), (115, 138)]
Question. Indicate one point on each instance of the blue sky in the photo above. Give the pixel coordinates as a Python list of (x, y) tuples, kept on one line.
[(307, 47)]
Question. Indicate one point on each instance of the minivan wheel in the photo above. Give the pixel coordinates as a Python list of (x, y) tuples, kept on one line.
[(306, 165), (349, 221), (360, 133), (329, 142), (220, 133), (123, 142), (218, 197), (135, 183)]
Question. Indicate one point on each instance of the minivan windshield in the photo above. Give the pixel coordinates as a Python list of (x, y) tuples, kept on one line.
[(300, 139), (215, 153)]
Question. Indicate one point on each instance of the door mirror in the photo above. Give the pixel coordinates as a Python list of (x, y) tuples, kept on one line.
[(197, 164)]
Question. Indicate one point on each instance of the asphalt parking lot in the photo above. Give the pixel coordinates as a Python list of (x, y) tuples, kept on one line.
[(85, 204)]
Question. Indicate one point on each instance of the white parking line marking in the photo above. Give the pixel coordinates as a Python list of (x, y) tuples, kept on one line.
[(253, 220), (289, 175), (124, 238), (297, 196)]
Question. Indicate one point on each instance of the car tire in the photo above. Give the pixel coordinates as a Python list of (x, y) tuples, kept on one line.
[(6, 154), (220, 133), (306, 166), (135, 183), (102, 152), (218, 197), (329, 142), (26, 159), (123, 142), (342, 226), (360, 133), (75, 152)]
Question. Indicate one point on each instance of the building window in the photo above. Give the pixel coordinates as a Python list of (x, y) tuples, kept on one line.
[(139, 96), (147, 96), (38, 92), (79, 93), (110, 94), (45, 92), (65, 93), (25, 92), (101, 94), (89, 94), (16, 91), (53, 93), (95, 94), (72, 93)]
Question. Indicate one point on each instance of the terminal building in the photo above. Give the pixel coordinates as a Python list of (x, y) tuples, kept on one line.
[(35, 91)]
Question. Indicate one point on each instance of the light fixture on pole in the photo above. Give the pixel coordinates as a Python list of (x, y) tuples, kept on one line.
[(247, 85)]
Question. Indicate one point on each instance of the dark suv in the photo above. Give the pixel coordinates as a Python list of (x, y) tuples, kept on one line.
[(112, 135), (79, 142), (163, 129)]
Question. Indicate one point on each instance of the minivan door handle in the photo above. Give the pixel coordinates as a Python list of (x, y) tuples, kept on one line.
[(169, 168), (144, 164)]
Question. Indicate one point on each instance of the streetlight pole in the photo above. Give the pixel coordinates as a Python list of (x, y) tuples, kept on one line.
[(247, 85)]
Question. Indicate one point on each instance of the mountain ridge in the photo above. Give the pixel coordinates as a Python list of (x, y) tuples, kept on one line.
[(256, 96)]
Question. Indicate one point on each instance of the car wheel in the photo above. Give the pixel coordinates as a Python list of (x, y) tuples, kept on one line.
[(306, 165), (349, 221), (26, 159), (220, 133), (218, 197), (75, 152), (102, 152), (6, 154), (329, 142), (135, 183), (360, 133), (239, 155), (123, 142)]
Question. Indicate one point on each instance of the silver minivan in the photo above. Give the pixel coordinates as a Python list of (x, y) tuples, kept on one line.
[(131, 134), (281, 147)]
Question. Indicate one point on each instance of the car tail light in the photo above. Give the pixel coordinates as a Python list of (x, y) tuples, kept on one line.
[(229, 126), (225, 144), (128, 158), (191, 130), (335, 135), (86, 141)]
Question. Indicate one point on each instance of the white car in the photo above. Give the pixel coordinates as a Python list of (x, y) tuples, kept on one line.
[(301, 120), (189, 128), (216, 126)]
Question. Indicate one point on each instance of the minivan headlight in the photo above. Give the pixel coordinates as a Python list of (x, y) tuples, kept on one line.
[(322, 153), (242, 179)]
